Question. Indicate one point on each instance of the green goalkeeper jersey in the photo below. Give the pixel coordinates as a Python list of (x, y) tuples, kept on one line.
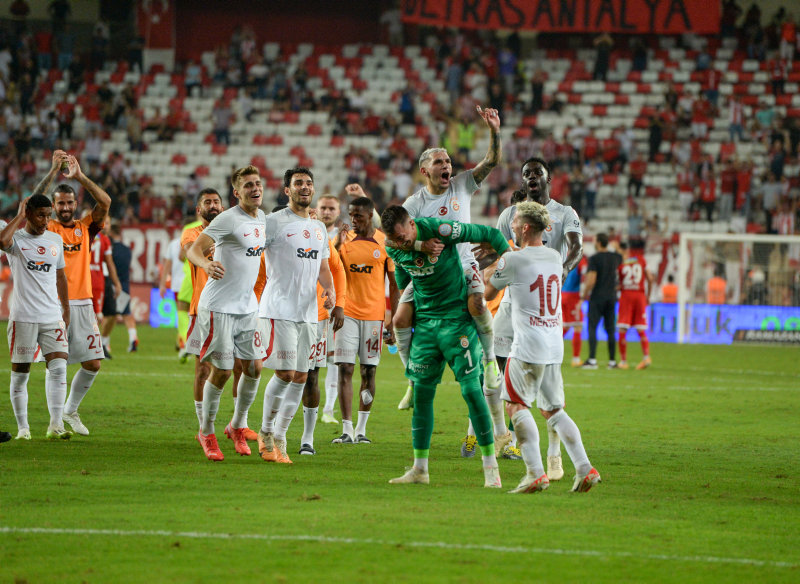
[(440, 289)]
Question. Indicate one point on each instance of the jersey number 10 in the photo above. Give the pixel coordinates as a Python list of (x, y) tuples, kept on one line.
[(549, 294)]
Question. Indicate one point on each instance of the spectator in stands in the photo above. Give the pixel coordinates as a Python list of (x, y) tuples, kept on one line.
[(778, 67), (222, 118), (708, 194), (392, 19), (655, 129), (592, 172), (537, 91), (193, 78), (727, 191), (735, 119), (453, 80), (777, 159), (100, 41), (19, 11), (669, 291), (788, 38), (577, 189), (59, 11), (44, 49), (407, 109), (507, 67), (730, 14), (636, 172), (716, 287), (603, 43), (136, 54)]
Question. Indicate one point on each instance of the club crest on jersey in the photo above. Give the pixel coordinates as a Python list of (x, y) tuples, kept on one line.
[(374, 331), (419, 262), (433, 259), (255, 231), (40, 250), (78, 232), (376, 254), (454, 204), (501, 264), (319, 234), (445, 229), (53, 251), (549, 228), (306, 234), (464, 341), (442, 211)]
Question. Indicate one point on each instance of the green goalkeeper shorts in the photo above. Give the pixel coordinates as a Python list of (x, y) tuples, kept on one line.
[(437, 341)]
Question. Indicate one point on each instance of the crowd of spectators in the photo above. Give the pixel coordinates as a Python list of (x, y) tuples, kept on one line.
[(478, 68)]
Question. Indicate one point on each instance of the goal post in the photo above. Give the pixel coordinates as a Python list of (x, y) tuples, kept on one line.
[(730, 285)]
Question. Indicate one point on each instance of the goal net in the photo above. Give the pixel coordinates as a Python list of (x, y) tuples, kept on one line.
[(738, 287)]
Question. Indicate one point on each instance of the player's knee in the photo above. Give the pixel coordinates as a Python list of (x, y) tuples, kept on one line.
[(253, 368), (300, 377), (57, 367), (93, 365), (285, 376), (512, 408), (346, 369), (403, 318), (550, 414)]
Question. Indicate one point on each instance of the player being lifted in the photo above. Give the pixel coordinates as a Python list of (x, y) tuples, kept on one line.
[(39, 312), (635, 283), (448, 197), (444, 331), (85, 344), (533, 370), (367, 266), (563, 235), (296, 246), (227, 308)]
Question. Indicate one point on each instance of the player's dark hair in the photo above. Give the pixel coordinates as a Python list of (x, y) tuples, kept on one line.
[(115, 229), (277, 208), (207, 191), (518, 196), (38, 202), (536, 159), (287, 176), (63, 188), (602, 239), (364, 203), (623, 246), (393, 215)]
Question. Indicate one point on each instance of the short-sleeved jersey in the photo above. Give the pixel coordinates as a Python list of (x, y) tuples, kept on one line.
[(199, 277), (101, 247), (632, 274), (440, 290), (294, 248), (534, 275), (366, 264), (572, 283), (563, 220), (34, 260), (339, 283), (176, 274), (238, 244), (77, 240), (452, 205)]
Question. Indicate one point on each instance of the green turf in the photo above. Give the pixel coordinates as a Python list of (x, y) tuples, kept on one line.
[(697, 453)]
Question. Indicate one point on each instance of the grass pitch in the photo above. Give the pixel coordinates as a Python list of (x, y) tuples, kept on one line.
[(698, 457)]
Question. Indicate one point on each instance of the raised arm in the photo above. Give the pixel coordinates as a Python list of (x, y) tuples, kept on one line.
[(492, 119), (7, 234), (101, 198), (59, 157)]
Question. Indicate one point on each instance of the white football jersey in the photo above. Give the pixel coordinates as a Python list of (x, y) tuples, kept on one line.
[(177, 274), (294, 248), (238, 245), (34, 260), (452, 205), (533, 275), (563, 220)]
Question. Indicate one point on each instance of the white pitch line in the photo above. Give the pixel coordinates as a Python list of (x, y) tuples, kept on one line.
[(416, 544)]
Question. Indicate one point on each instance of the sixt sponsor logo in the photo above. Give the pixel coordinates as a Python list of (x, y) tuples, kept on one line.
[(38, 266), (421, 272), (307, 253), (254, 251), (360, 268), (72, 247)]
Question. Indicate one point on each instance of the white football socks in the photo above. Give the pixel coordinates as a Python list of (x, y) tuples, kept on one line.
[(528, 436), (247, 390), (347, 427), (211, 395), (198, 409), (291, 399), (81, 383), (19, 398), (56, 390), (361, 424), (403, 337), (331, 387), (309, 423), (571, 436), (273, 396)]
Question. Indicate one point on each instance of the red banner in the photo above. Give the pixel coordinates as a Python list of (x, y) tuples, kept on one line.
[(581, 16)]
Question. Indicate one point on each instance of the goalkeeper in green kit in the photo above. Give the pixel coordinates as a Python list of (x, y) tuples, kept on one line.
[(444, 331)]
